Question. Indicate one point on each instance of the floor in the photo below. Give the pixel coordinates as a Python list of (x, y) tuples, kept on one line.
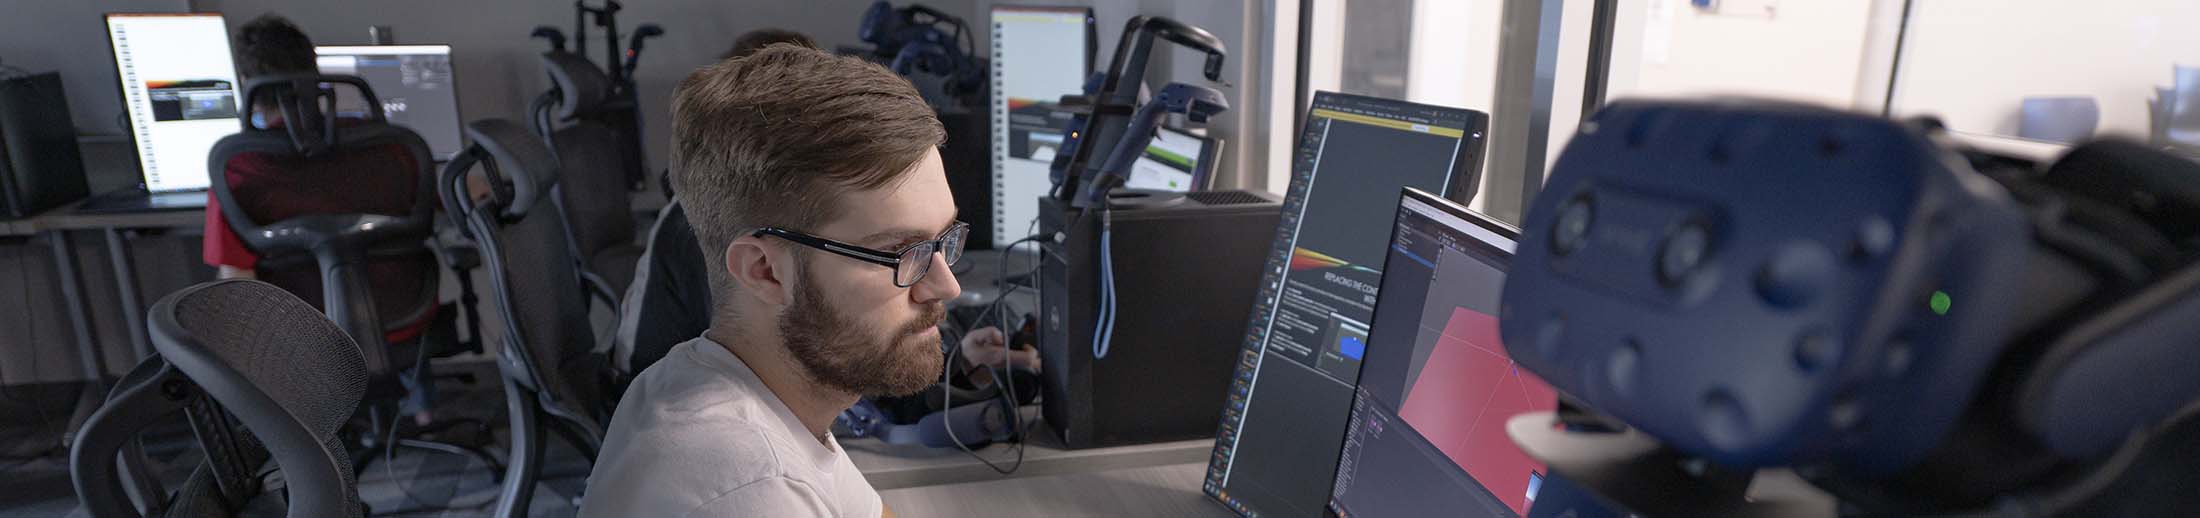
[(34, 472)]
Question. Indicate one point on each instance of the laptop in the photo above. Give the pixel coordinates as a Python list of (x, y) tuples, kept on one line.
[(180, 94), (414, 83), (1426, 434)]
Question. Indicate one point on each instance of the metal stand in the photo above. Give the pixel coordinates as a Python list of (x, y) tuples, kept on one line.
[(87, 345)]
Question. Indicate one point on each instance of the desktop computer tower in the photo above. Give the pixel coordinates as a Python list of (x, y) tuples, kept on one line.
[(1185, 270), (40, 166)]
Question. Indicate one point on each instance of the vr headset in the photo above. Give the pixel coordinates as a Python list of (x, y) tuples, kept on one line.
[(1914, 329)]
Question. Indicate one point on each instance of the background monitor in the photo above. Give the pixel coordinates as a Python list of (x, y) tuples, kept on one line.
[(414, 83), (1176, 161), (1276, 450), (1039, 55), (179, 91), (1426, 434)]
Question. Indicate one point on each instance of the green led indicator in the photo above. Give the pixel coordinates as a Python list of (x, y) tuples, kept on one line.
[(1941, 302)]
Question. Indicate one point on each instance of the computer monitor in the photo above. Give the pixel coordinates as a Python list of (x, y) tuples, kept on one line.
[(179, 90), (1176, 161), (1039, 55), (1426, 434), (414, 83), (1276, 449)]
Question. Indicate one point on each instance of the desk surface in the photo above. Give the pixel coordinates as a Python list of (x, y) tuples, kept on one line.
[(65, 217), (1168, 490), (889, 466)]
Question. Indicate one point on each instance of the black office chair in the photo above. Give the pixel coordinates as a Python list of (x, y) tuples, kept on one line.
[(233, 352), (2181, 128), (550, 368), (595, 173), (367, 263), (669, 300)]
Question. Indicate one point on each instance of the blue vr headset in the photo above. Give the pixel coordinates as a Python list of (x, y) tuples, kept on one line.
[(1772, 285)]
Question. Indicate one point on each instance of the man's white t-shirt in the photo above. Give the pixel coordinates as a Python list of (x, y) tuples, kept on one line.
[(699, 435)]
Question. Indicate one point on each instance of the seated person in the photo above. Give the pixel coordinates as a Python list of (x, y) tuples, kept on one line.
[(821, 206), (267, 46), (666, 304)]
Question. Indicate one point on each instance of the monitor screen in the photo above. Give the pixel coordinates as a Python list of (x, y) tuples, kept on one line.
[(1276, 450), (179, 90), (414, 84), (1426, 434), (1175, 162), (1039, 55)]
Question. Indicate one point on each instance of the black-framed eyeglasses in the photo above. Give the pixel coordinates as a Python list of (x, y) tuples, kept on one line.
[(909, 264)]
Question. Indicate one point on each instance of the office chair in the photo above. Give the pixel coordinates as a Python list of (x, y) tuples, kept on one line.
[(2181, 131), (2059, 119), (550, 368), (669, 300), (2158, 116), (366, 260), (232, 352), (593, 171)]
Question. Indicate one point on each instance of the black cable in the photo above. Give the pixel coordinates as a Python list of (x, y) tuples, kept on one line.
[(1002, 376), (390, 445)]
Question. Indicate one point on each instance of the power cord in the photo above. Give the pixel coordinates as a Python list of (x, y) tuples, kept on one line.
[(1001, 376), (1103, 332)]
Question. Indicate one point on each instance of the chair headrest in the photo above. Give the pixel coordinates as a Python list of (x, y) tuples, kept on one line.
[(520, 158), (307, 103), (581, 87)]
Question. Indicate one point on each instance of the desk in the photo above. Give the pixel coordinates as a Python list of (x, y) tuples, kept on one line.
[(56, 224), (889, 466), (1167, 490)]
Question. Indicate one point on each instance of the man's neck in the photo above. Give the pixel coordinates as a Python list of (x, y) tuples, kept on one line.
[(766, 355)]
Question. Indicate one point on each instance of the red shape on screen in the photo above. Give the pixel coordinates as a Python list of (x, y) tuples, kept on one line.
[(1467, 389)]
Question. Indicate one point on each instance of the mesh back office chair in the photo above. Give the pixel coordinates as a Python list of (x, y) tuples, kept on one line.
[(669, 300), (232, 352), (595, 173), (550, 369), (346, 224)]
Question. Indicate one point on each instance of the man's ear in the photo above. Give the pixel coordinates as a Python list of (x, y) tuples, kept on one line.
[(760, 270)]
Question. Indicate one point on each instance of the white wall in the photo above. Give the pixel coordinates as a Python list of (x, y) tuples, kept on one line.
[(1807, 50), (1973, 61), (71, 37)]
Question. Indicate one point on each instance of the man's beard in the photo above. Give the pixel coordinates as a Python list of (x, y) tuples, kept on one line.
[(840, 352)]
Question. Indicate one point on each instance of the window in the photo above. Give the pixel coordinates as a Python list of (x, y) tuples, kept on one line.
[(2048, 71)]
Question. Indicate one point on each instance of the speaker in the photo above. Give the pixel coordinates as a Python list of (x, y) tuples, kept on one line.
[(40, 166), (1186, 268)]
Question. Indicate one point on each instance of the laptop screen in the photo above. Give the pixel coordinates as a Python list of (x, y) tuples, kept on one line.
[(1426, 434), (180, 91), (413, 82)]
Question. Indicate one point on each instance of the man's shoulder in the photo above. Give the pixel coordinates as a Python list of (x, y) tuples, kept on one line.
[(679, 389)]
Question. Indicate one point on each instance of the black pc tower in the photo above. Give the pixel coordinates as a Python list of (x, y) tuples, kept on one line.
[(1185, 269), (40, 166)]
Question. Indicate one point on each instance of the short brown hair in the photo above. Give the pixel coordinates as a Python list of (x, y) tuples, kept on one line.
[(752, 41), (271, 45), (771, 139)]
